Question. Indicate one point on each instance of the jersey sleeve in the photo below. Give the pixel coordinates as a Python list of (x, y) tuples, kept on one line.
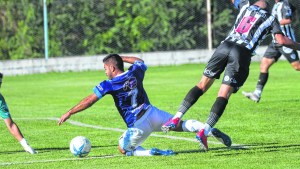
[(102, 89)]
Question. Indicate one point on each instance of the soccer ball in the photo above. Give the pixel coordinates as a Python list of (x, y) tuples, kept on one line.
[(80, 146)]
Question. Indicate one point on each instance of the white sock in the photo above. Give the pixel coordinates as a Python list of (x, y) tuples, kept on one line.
[(257, 92), (192, 126), (179, 115), (207, 129), (140, 151), (23, 142)]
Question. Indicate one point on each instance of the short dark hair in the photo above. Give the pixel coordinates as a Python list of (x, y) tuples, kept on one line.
[(262, 4), (114, 59), (267, 6)]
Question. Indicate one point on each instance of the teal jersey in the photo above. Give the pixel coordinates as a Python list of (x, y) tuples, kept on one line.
[(4, 112)]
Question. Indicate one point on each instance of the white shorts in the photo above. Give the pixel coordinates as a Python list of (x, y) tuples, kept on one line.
[(150, 122)]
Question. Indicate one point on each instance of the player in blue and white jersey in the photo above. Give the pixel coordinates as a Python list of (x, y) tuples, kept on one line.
[(283, 11), (131, 100), (252, 25), (11, 125)]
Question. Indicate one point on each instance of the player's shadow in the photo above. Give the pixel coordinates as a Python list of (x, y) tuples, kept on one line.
[(12, 152), (247, 148), (210, 149), (67, 148)]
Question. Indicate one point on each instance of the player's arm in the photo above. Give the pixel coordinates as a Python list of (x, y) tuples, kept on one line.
[(285, 21), (82, 105), (131, 59), (285, 41)]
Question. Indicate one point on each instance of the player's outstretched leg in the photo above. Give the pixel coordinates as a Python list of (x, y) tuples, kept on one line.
[(222, 137), (156, 151), (252, 96), (140, 151), (170, 125)]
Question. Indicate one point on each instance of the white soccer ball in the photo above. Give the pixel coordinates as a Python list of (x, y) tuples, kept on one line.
[(80, 146)]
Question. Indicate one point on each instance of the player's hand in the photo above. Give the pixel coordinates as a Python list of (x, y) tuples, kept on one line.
[(64, 118)]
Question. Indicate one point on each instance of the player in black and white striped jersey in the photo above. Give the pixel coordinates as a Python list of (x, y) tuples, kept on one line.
[(283, 11), (252, 25)]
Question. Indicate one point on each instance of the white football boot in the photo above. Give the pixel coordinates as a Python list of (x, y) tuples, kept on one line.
[(251, 96)]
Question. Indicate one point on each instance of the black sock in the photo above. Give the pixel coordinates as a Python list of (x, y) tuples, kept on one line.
[(263, 78), (217, 111), (191, 98)]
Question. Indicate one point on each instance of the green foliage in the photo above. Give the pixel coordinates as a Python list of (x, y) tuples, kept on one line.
[(89, 27), (19, 30), (93, 27)]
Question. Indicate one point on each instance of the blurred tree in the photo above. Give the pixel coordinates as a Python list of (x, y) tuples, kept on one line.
[(20, 36), (89, 27)]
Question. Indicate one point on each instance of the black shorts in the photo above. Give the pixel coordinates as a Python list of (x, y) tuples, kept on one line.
[(236, 59), (274, 52)]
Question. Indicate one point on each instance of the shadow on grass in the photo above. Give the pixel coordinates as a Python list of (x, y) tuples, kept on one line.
[(203, 151), (261, 147), (246, 149)]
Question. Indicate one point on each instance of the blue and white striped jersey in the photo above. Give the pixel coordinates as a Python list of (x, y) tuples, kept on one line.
[(282, 10), (252, 25), (127, 91)]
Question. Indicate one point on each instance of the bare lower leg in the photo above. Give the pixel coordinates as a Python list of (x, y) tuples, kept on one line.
[(14, 129)]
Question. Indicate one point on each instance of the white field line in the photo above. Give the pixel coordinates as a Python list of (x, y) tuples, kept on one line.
[(77, 123)]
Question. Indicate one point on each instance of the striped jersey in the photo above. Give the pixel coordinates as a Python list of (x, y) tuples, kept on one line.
[(127, 91), (252, 25), (282, 10)]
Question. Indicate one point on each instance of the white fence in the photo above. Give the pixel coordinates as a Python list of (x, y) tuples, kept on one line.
[(83, 63)]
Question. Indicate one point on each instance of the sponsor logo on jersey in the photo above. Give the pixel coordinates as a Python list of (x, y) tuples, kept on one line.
[(100, 87), (130, 84)]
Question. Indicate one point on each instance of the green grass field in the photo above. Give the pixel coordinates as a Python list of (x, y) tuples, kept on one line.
[(264, 135)]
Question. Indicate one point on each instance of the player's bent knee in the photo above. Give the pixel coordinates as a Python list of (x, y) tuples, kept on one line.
[(296, 65), (122, 151), (125, 148), (297, 68)]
